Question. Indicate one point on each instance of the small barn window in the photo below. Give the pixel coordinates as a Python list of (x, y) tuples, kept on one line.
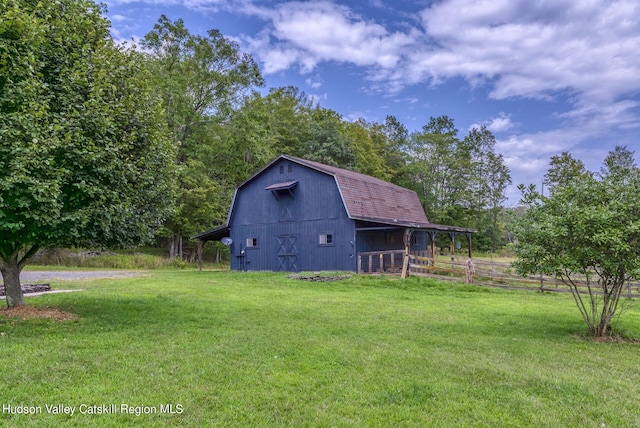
[(252, 242), (289, 168), (281, 169), (326, 239)]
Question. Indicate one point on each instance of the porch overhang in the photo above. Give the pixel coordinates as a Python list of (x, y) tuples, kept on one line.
[(215, 234), (428, 227)]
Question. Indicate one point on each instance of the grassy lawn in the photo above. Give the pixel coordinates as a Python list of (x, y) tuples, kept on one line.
[(233, 349)]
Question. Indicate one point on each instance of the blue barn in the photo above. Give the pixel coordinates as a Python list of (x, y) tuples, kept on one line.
[(299, 215)]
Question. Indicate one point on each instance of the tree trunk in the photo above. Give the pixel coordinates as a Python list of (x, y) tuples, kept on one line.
[(11, 276), (13, 257), (172, 248), (175, 250)]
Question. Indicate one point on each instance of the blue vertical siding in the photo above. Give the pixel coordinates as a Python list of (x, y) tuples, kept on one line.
[(287, 228)]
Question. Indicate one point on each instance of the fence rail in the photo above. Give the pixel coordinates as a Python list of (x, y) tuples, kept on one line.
[(480, 272), (381, 262)]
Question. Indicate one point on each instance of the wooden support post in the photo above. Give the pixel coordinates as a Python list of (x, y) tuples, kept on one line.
[(359, 263), (200, 248), (405, 267), (381, 269), (452, 248), (370, 264), (432, 247), (406, 238)]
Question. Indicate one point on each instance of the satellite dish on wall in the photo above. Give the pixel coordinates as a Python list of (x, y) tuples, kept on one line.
[(227, 241)]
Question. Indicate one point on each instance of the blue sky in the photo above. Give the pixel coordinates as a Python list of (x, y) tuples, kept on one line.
[(544, 76)]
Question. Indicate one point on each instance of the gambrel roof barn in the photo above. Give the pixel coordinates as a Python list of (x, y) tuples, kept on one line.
[(295, 214)]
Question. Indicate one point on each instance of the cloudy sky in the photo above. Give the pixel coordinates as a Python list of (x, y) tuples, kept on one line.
[(544, 76)]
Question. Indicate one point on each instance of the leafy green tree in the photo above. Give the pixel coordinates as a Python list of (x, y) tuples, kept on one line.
[(618, 163), (288, 117), (199, 76), (370, 159), (488, 181), (438, 169), (393, 145), (202, 80), (379, 147), (586, 230), (563, 169), (85, 158), (497, 178), (328, 142), (265, 126)]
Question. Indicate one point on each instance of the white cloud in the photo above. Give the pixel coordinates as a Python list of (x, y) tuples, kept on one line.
[(199, 5), (534, 49), (354, 116), (317, 98), (528, 155), (501, 123), (314, 82), (119, 18), (307, 33), (538, 50), (408, 100), (519, 49)]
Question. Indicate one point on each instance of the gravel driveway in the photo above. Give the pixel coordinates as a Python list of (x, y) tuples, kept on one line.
[(35, 276), (32, 277)]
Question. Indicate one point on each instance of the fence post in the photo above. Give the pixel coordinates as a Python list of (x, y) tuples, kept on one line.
[(405, 267), (469, 271)]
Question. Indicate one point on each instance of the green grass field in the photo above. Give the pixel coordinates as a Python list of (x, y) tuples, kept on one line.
[(260, 349)]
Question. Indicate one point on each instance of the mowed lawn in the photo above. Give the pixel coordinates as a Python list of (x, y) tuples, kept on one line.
[(185, 348)]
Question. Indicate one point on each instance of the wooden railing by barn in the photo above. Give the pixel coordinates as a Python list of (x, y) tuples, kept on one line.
[(381, 262), (480, 272)]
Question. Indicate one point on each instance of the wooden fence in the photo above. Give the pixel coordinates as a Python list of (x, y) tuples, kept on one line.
[(381, 262), (480, 272)]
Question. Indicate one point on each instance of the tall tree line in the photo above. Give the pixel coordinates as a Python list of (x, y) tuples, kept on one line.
[(226, 129)]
